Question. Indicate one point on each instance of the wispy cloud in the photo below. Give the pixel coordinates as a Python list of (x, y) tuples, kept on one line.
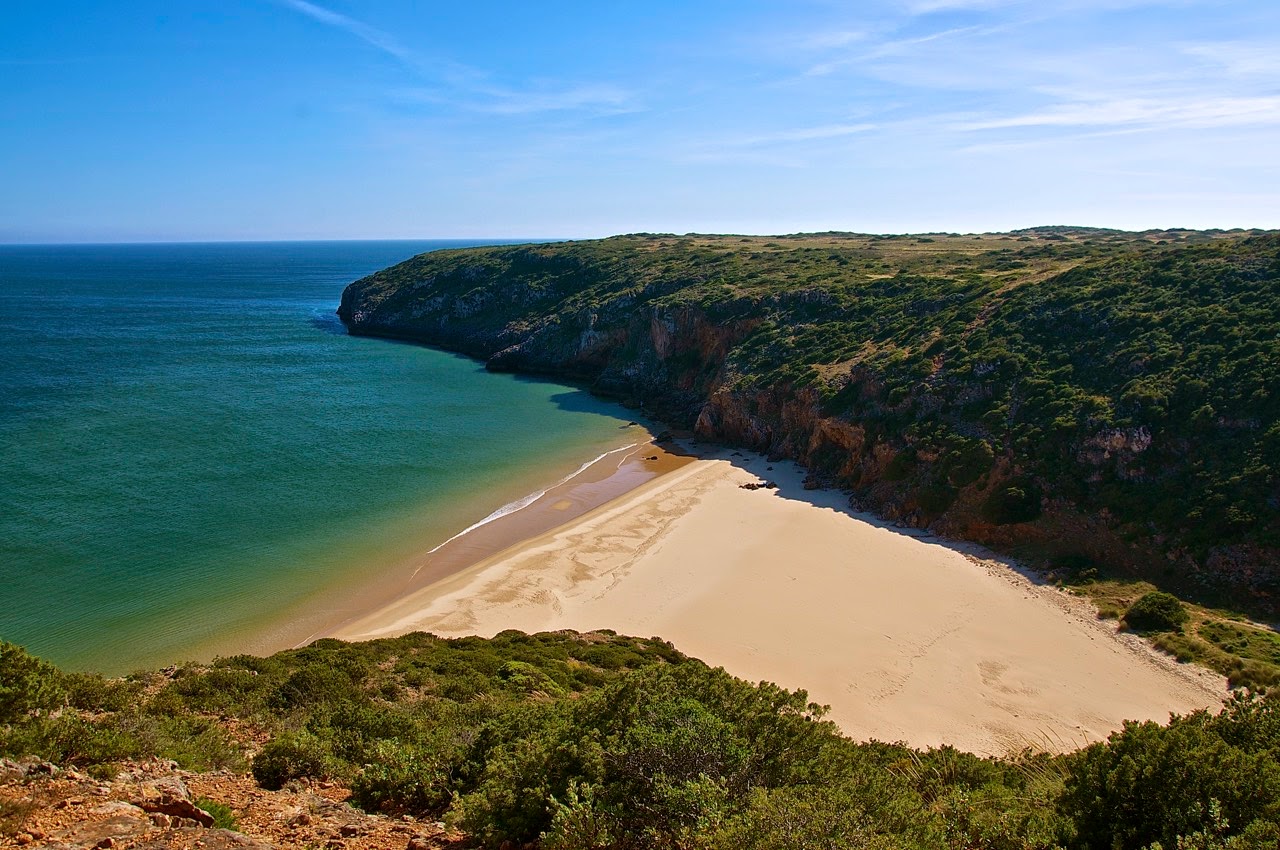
[(789, 148), (370, 35), (594, 96), (892, 48), (1148, 113), (1239, 58), (478, 97), (469, 88), (927, 7), (830, 39), (802, 134)]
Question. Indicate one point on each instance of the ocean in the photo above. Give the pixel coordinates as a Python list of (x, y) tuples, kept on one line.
[(195, 458)]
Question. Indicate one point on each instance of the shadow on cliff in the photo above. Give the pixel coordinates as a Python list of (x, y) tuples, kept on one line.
[(789, 478), (577, 400)]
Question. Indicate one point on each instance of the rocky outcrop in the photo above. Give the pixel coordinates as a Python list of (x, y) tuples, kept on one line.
[(153, 804)]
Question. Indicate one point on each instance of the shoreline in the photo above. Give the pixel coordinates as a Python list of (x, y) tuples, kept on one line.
[(611, 475), (905, 635)]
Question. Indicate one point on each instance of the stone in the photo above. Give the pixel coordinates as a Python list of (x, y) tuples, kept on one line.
[(117, 807), (94, 833), (169, 795)]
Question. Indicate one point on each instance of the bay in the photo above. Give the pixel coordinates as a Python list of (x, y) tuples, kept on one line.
[(196, 458)]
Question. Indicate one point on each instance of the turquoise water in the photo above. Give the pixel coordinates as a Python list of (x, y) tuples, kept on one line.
[(193, 451)]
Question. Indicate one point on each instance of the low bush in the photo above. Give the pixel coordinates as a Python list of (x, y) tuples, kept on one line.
[(1157, 612), (405, 778), (223, 815), (294, 755), (28, 685), (1018, 502), (1151, 783)]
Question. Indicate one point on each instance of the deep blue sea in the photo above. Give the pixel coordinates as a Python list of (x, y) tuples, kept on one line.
[(196, 458)]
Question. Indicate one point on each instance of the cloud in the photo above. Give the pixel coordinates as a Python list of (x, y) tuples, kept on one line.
[(599, 97), (467, 87), (606, 97), (777, 149), (1239, 58), (370, 35), (1147, 113), (928, 7), (831, 39), (804, 134), (896, 47)]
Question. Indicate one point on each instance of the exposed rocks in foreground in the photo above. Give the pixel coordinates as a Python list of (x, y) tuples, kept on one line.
[(152, 804)]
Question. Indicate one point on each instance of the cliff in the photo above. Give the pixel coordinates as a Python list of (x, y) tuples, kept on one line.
[(1081, 397)]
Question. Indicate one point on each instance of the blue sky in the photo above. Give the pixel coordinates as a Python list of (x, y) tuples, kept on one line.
[(282, 119)]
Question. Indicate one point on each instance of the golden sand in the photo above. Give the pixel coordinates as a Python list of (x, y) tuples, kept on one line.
[(906, 637)]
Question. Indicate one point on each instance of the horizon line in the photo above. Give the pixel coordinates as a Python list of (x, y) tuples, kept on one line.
[(548, 239)]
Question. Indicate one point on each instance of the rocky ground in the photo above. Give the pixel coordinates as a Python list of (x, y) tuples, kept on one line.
[(153, 804)]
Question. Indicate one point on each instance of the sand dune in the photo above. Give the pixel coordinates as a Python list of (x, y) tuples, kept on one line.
[(905, 637)]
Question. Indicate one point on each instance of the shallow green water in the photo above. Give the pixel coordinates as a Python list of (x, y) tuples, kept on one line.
[(191, 447)]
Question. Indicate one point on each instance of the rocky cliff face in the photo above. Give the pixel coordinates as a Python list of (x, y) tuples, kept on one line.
[(640, 338)]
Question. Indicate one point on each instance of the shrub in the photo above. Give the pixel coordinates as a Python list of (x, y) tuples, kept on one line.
[(1152, 783), (1018, 502), (808, 816), (223, 816), (403, 779), (28, 685), (317, 685), (294, 755), (92, 692), (195, 743), (70, 740), (1156, 612)]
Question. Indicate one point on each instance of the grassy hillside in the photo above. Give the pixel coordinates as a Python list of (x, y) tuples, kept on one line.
[(581, 741), (1093, 398)]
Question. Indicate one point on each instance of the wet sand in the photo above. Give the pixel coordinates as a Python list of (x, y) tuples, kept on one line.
[(905, 636), (604, 479)]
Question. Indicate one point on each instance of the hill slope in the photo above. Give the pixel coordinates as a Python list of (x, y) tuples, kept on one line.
[(1081, 396), (571, 741)]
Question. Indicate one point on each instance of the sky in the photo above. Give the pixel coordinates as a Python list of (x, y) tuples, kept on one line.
[(164, 120)]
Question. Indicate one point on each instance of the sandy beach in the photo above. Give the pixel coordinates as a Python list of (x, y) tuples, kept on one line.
[(906, 637)]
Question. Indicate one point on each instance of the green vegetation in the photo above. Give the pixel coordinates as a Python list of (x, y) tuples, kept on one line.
[(1156, 612), (582, 741), (1022, 379), (1248, 654), (223, 816)]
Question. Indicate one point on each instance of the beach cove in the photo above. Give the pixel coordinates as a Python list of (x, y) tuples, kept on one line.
[(907, 637)]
